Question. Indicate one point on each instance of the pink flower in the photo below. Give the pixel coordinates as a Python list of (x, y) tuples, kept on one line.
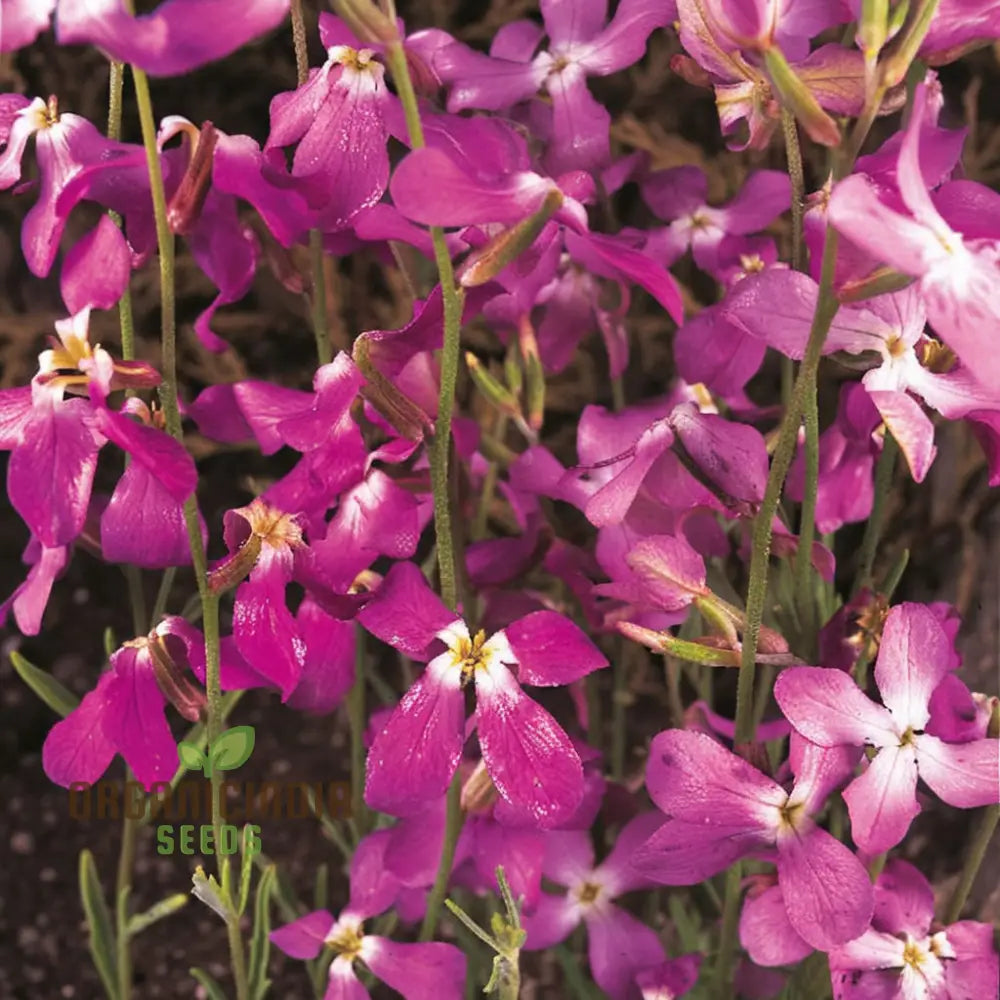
[(528, 756), (681, 195), (619, 946), (719, 808), (433, 971), (338, 117), (829, 709), (955, 265), (124, 714), (581, 45), (903, 956)]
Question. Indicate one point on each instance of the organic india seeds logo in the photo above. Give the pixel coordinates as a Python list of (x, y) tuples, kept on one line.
[(182, 810), (228, 751)]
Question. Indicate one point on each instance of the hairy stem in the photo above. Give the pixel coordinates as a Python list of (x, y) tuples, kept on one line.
[(452, 828), (171, 411), (453, 299), (796, 175)]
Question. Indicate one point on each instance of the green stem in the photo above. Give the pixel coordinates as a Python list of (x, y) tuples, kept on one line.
[(454, 819), (724, 970), (162, 596), (873, 527), (123, 888), (489, 485), (804, 591), (317, 300), (796, 174), (356, 714), (453, 299), (171, 411), (826, 309), (980, 842)]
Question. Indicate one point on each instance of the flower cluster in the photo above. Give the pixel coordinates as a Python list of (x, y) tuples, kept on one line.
[(466, 526)]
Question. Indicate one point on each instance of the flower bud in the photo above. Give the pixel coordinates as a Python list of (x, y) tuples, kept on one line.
[(185, 206), (534, 375), (495, 391), (797, 97), (487, 263)]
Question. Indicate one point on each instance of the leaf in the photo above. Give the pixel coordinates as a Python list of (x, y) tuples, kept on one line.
[(260, 943), (232, 748), (246, 870), (212, 988), (58, 698), (208, 890), (164, 908), (102, 937), (191, 756)]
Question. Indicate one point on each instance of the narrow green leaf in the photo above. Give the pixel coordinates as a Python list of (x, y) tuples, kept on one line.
[(283, 891), (232, 748), (110, 641), (212, 988), (208, 890), (102, 937), (246, 871), (321, 887), (58, 698), (164, 908), (260, 943)]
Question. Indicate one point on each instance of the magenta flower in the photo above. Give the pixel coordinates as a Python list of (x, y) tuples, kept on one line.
[(65, 144), (912, 364), (177, 37), (433, 971), (54, 435), (719, 808), (124, 714), (581, 45), (829, 709), (528, 756), (338, 118), (680, 196), (903, 955), (955, 264), (265, 542), (29, 598), (619, 946)]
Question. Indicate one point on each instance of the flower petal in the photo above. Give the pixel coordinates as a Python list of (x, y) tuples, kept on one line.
[(304, 938), (433, 971), (414, 757), (551, 650), (913, 658), (550, 922), (964, 775), (619, 946), (826, 889), (766, 932), (829, 709), (883, 801), (405, 612), (528, 755), (78, 748)]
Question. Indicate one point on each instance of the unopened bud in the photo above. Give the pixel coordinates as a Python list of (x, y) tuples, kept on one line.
[(487, 263), (882, 281), (799, 99), (534, 375), (235, 568), (478, 793), (172, 682), (494, 391), (408, 418), (185, 206), (700, 652)]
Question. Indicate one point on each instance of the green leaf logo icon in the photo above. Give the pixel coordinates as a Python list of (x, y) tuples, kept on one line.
[(230, 750)]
